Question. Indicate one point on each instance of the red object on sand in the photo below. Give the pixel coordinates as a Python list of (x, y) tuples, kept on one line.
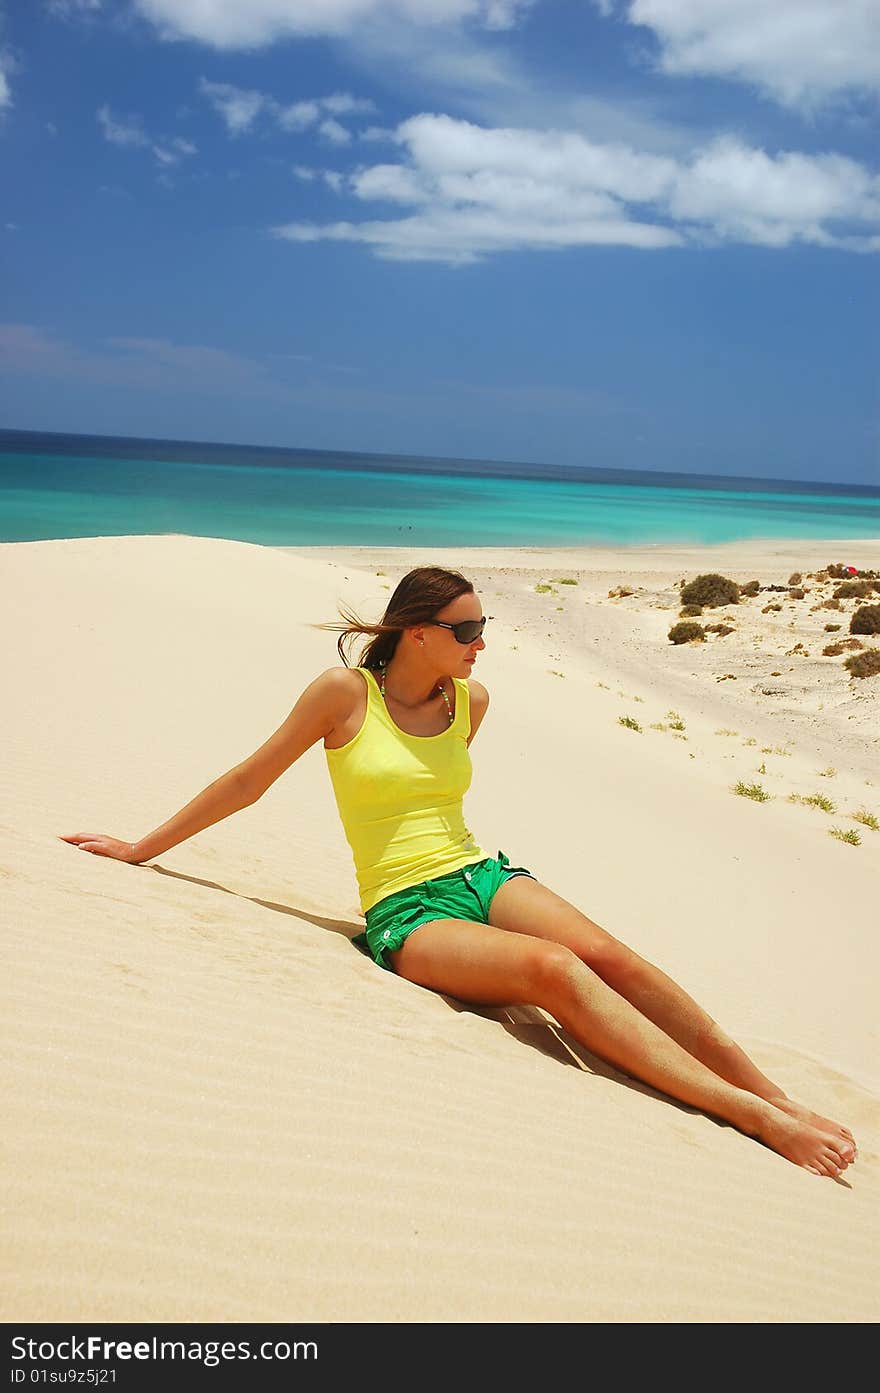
[(851, 570)]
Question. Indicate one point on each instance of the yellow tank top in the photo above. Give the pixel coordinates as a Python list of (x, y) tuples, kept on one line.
[(400, 798)]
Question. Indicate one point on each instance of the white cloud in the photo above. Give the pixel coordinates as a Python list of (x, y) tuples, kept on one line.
[(155, 364), (333, 131), (734, 188), (173, 151), (121, 132), (330, 177), (253, 23), (130, 132), (474, 191), (70, 7), (240, 107), (376, 133), (5, 93), (800, 52), (344, 104), (299, 116)]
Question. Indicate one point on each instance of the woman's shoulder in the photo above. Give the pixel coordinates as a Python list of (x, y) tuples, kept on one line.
[(343, 679), (341, 686), (478, 695), (478, 701)]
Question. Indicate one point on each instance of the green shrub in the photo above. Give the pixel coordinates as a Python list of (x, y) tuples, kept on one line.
[(686, 632), (865, 664), (752, 587), (866, 620), (690, 612), (712, 590), (795, 579)]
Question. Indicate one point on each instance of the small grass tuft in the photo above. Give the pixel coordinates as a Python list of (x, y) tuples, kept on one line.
[(851, 836), (867, 819), (755, 791), (816, 800), (629, 722)]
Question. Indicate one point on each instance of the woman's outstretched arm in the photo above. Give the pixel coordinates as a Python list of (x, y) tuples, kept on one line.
[(323, 704)]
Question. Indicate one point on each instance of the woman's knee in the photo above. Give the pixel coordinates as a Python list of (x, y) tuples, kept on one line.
[(552, 971), (613, 961)]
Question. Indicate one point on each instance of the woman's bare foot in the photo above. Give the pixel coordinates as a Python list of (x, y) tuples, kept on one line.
[(822, 1124), (817, 1150)]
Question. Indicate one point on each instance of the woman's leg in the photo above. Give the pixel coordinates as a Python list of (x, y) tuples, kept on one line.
[(484, 964), (525, 906)]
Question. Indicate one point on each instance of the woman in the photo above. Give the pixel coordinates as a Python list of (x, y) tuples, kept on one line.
[(443, 914)]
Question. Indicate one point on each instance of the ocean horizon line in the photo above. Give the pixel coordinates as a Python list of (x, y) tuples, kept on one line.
[(220, 453)]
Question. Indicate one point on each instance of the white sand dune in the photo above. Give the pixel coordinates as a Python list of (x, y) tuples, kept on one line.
[(217, 1109)]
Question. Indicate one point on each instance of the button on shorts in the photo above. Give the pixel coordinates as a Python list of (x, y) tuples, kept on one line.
[(463, 894)]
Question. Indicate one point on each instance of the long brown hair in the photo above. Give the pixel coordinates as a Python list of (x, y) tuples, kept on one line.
[(417, 598)]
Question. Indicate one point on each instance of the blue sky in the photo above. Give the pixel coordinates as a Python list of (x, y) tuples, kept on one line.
[(623, 233)]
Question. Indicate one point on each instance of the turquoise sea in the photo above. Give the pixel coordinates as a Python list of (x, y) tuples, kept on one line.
[(54, 486)]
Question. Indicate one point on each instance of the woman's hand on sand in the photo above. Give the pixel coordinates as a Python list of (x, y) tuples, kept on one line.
[(99, 845)]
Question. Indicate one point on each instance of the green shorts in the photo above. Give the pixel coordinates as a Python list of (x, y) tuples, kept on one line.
[(463, 894)]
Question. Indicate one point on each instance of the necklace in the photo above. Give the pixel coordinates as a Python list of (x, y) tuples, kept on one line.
[(440, 689)]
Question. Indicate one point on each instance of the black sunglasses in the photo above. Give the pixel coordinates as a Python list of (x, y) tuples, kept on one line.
[(466, 630)]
